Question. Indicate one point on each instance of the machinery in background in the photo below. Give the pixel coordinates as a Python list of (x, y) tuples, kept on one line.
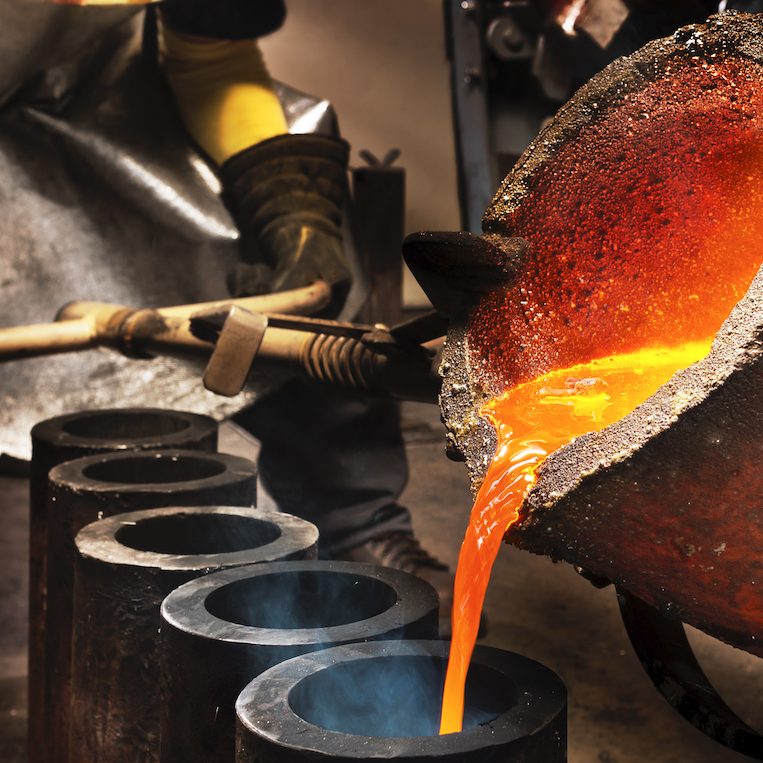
[(514, 62)]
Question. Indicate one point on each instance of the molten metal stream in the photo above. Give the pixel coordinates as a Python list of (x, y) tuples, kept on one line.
[(532, 420)]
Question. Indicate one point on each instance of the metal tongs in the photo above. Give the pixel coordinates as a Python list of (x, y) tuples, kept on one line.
[(239, 337)]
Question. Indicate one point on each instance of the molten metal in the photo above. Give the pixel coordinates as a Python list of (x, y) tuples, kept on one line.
[(645, 229), (532, 420)]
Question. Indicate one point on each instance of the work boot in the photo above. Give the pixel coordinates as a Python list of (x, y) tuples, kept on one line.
[(402, 551), (286, 195)]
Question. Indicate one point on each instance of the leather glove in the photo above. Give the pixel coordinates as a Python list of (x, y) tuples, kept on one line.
[(286, 195)]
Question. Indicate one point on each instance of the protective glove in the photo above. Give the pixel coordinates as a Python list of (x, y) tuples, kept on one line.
[(286, 196)]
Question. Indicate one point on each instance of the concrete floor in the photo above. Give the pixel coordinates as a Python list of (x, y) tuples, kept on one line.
[(539, 609)]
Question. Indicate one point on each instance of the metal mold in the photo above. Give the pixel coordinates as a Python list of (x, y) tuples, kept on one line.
[(126, 565), (87, 489), (76, 435), (220, 631), (381, 700)]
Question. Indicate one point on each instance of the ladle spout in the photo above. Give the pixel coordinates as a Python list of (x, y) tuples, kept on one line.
[(457, 269)]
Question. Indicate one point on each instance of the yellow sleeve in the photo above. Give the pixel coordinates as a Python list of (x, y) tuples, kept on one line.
[(223, 92)]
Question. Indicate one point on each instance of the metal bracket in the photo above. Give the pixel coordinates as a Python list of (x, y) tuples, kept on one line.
[(667, 657), (476, 168)]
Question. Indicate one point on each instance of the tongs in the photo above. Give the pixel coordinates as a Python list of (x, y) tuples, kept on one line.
[(238, 338)]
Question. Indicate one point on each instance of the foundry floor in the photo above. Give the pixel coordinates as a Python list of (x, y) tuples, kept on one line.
[(542, 610)]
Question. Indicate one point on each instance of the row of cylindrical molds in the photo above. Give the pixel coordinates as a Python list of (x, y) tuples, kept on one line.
[(342, 651), (218, 631), (249, 615), (100, 646), (256, 617)]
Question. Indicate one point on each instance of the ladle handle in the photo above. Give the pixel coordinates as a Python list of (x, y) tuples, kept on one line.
[(668, 659)]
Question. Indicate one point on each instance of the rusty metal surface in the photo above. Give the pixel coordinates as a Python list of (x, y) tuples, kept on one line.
[(378, 217), (678, 483), (669, 501), (666, 655), (105, 200)]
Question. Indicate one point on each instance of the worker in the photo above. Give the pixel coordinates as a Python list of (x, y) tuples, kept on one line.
[(286, 192), (335, 459)]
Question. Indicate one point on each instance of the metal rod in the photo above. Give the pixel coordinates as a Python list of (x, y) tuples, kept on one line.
[(21, 342), (357, 357), (84, 325), (306, 300)]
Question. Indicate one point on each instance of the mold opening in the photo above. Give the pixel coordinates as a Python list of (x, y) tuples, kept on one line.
[(301, 599), (396, 696), (191, 534), (126, 425), (137, 470)]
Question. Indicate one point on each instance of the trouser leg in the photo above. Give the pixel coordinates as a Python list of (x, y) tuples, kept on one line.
[(335, 459)]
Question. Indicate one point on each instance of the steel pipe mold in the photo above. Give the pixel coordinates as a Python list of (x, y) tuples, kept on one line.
[(220, 631), (126, 565), (382, 701), (87, 489)]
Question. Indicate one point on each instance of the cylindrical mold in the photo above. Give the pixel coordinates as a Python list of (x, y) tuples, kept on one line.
[(126, 565), (71, 436), (91, 488), (220, 631), (381, 700)]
